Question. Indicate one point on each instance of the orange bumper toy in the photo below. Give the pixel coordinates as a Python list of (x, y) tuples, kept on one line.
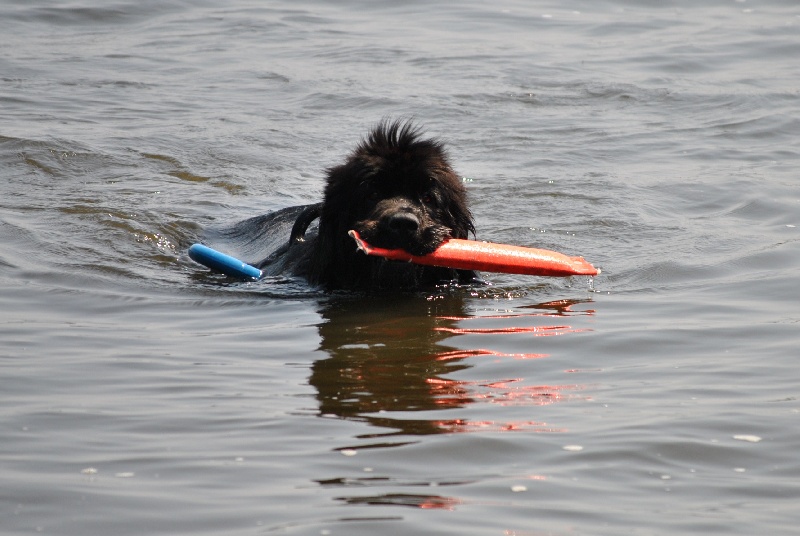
[(489, 257)]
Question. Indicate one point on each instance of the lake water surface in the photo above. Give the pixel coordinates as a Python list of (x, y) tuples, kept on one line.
[(142, 394)]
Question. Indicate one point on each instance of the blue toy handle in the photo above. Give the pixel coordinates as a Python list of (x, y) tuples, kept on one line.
[(223, 263)]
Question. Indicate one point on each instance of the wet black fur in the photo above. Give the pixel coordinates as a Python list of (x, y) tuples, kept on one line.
[(397, 190)]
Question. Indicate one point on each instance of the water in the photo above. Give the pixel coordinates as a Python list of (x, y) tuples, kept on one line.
[(143, 395)]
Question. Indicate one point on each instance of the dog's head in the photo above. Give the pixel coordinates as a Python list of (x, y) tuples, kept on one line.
[(397, 190)]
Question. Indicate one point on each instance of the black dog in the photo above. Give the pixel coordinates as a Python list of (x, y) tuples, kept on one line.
[(398, 191)]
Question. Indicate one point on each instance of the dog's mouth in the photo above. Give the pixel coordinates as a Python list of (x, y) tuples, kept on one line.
[(403, 230)]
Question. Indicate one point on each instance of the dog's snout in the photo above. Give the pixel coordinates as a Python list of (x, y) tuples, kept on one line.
[(403, 223)]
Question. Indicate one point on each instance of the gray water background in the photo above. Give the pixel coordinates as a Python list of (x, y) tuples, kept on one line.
[(140, 394)]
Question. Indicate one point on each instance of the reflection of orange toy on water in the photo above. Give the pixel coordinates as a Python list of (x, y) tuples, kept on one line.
[(387, 359), (402, 368), (463, 354), (455, 394), (539, 331)]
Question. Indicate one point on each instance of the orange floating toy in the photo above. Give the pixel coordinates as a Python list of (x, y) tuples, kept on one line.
[(489, 257)]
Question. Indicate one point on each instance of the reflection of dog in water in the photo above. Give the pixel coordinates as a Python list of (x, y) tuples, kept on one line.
[(392, 356), (398, 191), (383, 359)]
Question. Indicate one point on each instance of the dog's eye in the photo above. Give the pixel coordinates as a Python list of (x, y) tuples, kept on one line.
[(428, 199)]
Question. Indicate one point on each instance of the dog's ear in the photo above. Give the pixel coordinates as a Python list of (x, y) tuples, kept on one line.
[(463, 216), (336, 261), (319, 267), (461, 222)]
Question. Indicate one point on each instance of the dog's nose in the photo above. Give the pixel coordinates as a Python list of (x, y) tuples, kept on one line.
[(403, 223)]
